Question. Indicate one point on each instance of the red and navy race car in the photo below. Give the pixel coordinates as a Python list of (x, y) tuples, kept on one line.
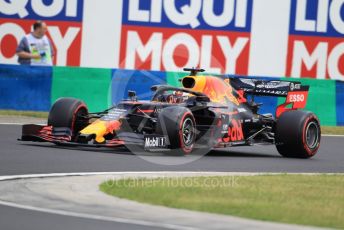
[(207, 112)]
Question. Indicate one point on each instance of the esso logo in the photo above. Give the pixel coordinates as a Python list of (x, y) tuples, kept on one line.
[(296, 98)]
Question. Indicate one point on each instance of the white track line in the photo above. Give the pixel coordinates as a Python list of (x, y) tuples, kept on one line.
[(95, 217), (46, 175), (91, 216), (332, 135), (14, 123), (85, 215), (116, 219)]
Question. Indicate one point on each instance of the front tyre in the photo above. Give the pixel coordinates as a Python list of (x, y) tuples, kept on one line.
[(298, 134), (178, 123), (68, 113)]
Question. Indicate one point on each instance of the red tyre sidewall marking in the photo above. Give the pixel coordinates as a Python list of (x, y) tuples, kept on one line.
[(182, 146), (304, 142)]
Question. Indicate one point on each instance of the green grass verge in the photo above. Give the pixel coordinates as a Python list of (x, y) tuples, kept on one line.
[(339, 130), (316, 200), (336, 130), (24, 113)]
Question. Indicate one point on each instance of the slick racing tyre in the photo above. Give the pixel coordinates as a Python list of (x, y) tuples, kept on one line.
[(298, 134), (67, 113), (178, 124)]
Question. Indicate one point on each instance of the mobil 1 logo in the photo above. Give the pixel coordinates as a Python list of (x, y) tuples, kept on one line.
[(154, 142)]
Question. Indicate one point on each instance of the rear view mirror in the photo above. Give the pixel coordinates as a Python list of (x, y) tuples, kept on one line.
[(132, 95)]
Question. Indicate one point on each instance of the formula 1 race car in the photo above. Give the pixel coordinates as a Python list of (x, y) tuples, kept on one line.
[(207, 112)]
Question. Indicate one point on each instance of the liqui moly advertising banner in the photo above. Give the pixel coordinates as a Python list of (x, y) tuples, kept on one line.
[(294, 38)]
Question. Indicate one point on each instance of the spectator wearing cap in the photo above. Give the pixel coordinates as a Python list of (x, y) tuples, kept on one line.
[(35, 48)]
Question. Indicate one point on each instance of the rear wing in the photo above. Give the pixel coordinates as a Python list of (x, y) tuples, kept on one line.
[(266, 87), (295, 93)]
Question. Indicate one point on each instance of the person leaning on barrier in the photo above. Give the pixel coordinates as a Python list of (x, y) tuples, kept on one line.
[(35, 48)]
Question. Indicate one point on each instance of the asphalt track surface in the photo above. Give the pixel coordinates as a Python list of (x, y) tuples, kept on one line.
[(27, 158)]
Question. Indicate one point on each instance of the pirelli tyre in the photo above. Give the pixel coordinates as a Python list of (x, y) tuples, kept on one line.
[(178, 124), (298, 134), (68, 113)]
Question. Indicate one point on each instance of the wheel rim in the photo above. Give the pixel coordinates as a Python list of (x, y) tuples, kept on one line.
[(188, 131), (312, 134)]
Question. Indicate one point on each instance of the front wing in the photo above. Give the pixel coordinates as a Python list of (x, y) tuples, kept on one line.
[(63, 136)]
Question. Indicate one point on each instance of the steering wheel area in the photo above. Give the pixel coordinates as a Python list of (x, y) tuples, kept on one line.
[(174, 97)]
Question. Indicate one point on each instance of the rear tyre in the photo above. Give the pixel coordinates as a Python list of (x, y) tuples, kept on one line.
[(178, 123), (298, 134), (68, 112)]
